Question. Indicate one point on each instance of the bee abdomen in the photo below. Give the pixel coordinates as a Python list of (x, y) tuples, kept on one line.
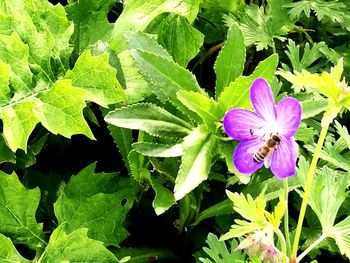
[(261, 154)]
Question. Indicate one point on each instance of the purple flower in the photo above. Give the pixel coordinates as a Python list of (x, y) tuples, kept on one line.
[(266, 135)]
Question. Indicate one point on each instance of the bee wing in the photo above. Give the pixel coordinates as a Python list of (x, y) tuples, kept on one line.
[(267, 159)]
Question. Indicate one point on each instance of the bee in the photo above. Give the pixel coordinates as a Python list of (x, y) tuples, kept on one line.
[(270, 145)]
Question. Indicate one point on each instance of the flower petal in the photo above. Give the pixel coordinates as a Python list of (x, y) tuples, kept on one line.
[(262, 99), (243, 156), (284, 158), (288, 113), (240, 124)]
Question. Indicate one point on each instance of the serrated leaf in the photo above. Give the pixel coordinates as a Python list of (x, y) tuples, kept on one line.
[(136, 88), (149, 118), (90, 22), (60, 110), (8, 252), (99, 202), (18, 206), (129, 21), (179, 38), (230, 61), (123, 139), (137, 168), (164, 198), (205, 107), (158, 150), (236, 95), (97, 78), (165, 77), (198, 151), (139, 40), (75, 247)]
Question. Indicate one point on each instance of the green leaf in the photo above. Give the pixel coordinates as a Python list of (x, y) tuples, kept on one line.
[(14, 56), (75, 247), (136, 88), (164, 198), (158, 150), (60, 110), (236, 95), (90, 22), (6, 155), (198, 151), (144, 255), (222, 208), (137, 14), (230, 61), (137, 164), (179, 38), (165, 77), (99, 202), (97, 78), (18, 206), (341, 234), (204, 106), (219, 253), (325, 11), (149, 118), (139, 40), (327, 195), (123, 139), (8, 252)]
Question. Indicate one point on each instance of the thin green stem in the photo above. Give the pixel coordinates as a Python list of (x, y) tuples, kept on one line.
[(307, 190), (311, 247), (282, 240), (286, 216)]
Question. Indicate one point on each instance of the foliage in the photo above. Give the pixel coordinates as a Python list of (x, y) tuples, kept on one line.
[(112, 147)]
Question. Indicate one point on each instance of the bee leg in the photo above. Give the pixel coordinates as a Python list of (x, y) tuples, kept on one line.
[(251, 132)]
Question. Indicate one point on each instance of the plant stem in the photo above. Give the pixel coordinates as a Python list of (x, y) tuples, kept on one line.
[(307, 190), (286, 216), (311, 247), (283, 244)]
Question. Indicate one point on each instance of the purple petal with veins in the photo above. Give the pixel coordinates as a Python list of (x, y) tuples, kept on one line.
[(240, 124), (243, 156), (283, 163), (288, 113), (262, 99)]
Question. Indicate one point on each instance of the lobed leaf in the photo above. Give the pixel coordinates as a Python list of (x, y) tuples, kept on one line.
[(17, 218), (99, 202), (75, 247), (90, 22), (8, 252), (97, 78)]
